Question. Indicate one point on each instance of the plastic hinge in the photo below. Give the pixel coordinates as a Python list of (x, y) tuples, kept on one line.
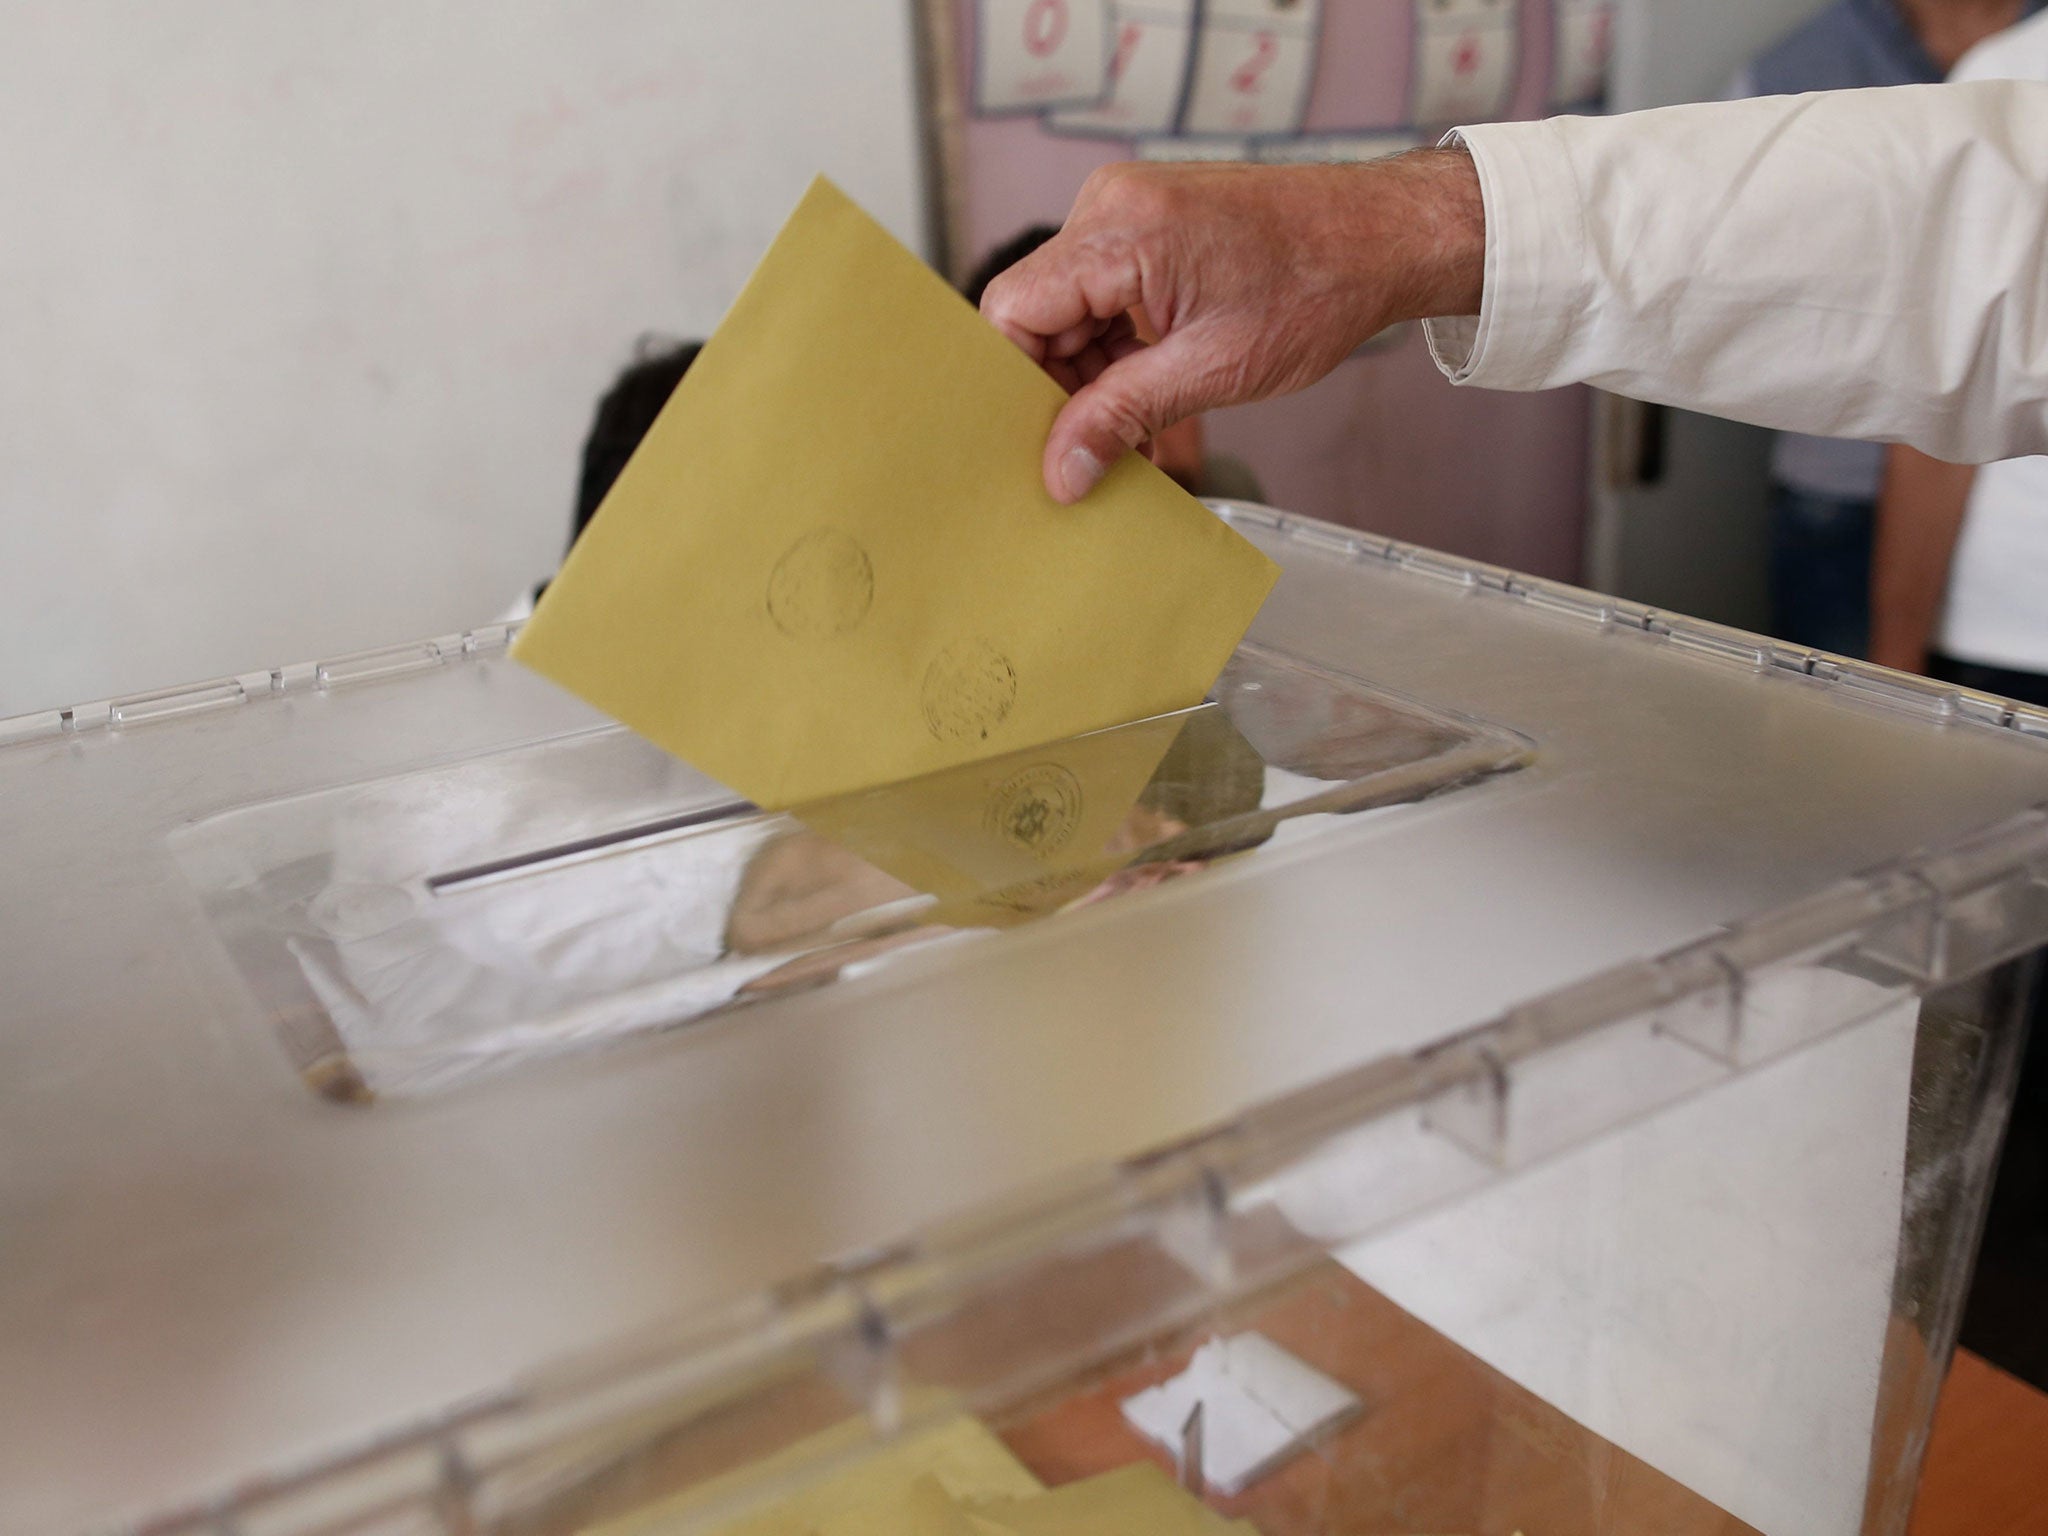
[(169, 703), (1498, 578), (1704, 1008), (1471, 1112), (367, 666), (1987, 857), (1799, 974), (87, 717), (1576, 1063), (1193, 1226), (1896, 690), (1316, 536), (1372, 547), (1963, 908), (1821, 925), (1718, 642), (2028, 722), (1814, 664), (1571, 602), (36, 727), (1249, 515), (1715, 643), (1909, 941), (294, 676), (1396, 553), (1629, 991), (492, 637), (1439, 568), (1980, 709), (399, 1487)]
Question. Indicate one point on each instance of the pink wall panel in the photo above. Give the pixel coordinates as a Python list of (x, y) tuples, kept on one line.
[(1384, 443), (1361, 78)]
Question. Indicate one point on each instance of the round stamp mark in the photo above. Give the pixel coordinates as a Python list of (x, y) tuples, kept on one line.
[(822, 586), (968, 690), (1036, 809)]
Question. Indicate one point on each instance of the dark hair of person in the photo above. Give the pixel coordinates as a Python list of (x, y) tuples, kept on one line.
[(623, 416), (1004, 257)]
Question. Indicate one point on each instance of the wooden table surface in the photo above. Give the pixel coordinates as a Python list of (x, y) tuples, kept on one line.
[(1987, 1464), (1446, 1443)]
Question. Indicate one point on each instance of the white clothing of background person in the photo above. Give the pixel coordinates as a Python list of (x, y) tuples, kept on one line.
[(1869, 264), (1997, 607)]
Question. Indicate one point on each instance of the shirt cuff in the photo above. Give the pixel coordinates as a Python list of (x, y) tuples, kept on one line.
[(1537, 283)]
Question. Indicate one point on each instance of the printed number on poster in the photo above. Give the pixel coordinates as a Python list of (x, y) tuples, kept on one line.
[(1466, 58), (1031, 54), (1148, 71), (1254, 63), (1583, 48)]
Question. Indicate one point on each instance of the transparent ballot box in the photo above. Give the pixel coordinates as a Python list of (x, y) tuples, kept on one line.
[(1507, 1061)]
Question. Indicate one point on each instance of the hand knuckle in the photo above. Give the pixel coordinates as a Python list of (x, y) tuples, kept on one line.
[(1147, 196), (1102, 182), (1126, 421)]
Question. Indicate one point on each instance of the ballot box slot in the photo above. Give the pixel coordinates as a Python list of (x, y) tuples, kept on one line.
[(660, 829), (411, 933)]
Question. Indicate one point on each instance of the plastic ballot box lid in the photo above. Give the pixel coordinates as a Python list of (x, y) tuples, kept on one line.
[(422, 1095)]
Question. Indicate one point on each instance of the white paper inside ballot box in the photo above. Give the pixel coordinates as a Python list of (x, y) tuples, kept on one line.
[(1710, 1288)]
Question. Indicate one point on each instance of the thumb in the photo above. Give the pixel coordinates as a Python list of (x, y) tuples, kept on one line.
[(1134, 399)]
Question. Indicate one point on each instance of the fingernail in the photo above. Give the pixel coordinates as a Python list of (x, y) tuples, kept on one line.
[(1079, 472)]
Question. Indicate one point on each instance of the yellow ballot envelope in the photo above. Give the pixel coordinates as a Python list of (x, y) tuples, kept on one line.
[(910, 1486), (1004, 839), (954, 1479), (1136, 1500), (832, 563)]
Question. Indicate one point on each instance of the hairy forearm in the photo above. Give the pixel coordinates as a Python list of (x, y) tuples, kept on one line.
[(1426, 223), (1919, 517)]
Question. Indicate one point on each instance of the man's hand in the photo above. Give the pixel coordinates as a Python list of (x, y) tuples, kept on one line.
[(1256, 281)]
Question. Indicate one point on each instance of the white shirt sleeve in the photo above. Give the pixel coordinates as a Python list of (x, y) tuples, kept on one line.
[(1866, 264)]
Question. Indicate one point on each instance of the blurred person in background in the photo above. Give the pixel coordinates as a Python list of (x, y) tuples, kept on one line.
[(623, 416), (1959, 586), (1824, 490), (1960, 590), (1182, 449), (637, 395)]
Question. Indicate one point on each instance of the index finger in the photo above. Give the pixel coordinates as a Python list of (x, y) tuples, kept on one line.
[(1067, 284)]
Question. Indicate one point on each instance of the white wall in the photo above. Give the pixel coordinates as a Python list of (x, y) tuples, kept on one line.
[(304, 306)]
